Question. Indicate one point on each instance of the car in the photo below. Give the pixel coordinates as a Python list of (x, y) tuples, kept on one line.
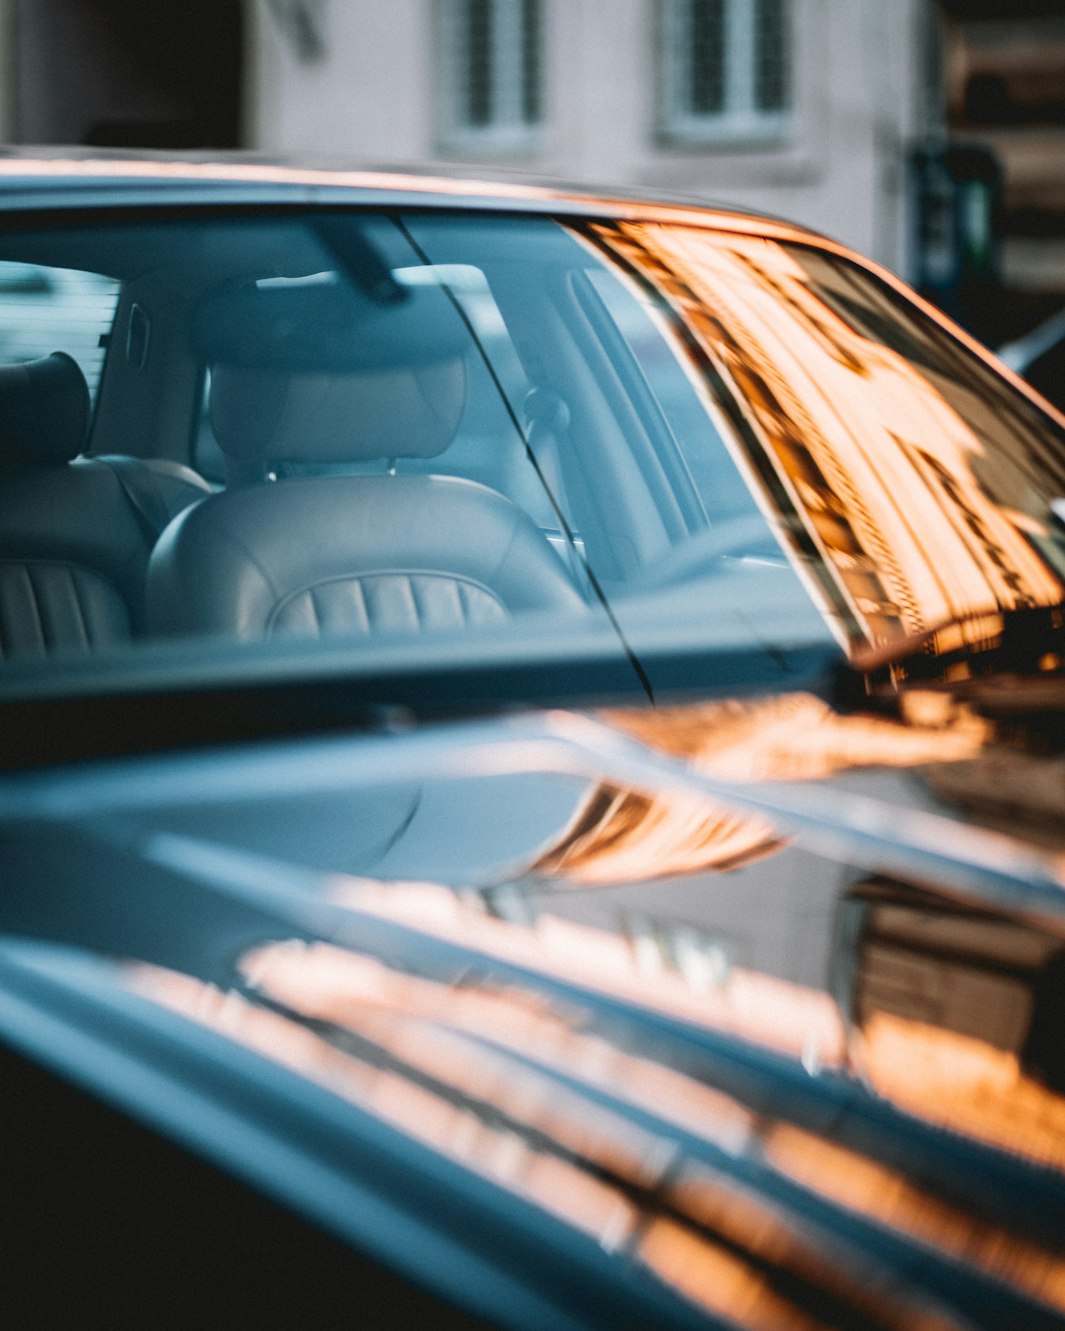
[(532, 767)]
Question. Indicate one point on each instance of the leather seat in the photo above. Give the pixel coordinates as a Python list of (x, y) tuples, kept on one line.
[(73, 545), (342, 553)]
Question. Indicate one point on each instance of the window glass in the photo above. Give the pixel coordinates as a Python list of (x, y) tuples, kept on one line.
[(590, 372), (493, 71), (45, 309), (425, 429), (924, 489), (772, 69), (726, 69), (706, 57), (429, 432), (694, 424)]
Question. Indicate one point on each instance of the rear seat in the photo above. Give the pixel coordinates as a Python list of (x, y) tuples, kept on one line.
[(75, 533)]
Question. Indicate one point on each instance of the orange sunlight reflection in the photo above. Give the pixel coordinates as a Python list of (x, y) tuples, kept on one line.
[(789, 1017), (625, 836), (733, 1212), (584, 1165), (426, 1107), (870, 1188), (455, 1068), (889, 479), (964, 1084)]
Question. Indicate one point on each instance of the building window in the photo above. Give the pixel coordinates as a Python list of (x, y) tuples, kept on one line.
[(726, 70), (493, 79)]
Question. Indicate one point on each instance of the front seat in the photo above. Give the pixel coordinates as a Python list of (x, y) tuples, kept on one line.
[(342, 553), (75, 533)]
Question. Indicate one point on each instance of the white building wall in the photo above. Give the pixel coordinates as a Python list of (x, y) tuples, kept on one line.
[(368, 97), (374, 97)]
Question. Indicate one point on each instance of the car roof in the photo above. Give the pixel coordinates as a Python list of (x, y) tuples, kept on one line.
[(62, 177)]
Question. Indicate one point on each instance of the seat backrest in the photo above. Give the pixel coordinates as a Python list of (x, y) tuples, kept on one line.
[(73, 547), (355, 554)]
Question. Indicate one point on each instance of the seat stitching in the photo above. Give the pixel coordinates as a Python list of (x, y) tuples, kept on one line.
[(411, 581), (407, 585), (364, 605), (85, 627), (464, 603), (27, 573), (419, 616), (387, 573)]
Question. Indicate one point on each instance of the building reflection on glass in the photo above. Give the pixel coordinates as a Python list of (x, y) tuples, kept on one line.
[(625, 836), (873, 426), (659, 1167), (946, 1017), (959, 1016)]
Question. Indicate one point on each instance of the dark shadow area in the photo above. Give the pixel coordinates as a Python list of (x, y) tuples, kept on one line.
[(122, 74), (191, 56), (109, 1224)]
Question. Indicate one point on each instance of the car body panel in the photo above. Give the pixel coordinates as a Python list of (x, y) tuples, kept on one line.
[(556, 1002), (624, 989)]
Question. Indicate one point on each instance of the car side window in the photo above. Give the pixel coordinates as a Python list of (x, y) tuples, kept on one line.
[(44, 309)]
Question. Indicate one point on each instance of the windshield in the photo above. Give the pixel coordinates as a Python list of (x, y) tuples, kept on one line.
[(430, 439), (925, 490)]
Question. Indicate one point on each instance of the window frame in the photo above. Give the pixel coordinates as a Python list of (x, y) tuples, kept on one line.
[(740, 121), (515, 90)]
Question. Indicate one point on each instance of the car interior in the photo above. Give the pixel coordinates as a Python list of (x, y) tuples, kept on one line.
[(256, 426)]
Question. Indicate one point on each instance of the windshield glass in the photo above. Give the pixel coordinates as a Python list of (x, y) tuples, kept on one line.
[(923, 487), (429, 437)]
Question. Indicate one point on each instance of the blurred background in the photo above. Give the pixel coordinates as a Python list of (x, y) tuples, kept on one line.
[(930, 134)]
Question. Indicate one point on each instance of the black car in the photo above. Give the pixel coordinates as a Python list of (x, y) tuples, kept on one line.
[(533, 789)]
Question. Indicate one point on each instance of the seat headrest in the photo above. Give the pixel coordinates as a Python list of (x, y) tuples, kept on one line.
[(44, 410), (328, 417)]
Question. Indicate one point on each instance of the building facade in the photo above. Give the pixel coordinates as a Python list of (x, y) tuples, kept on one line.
[(805, 108)]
